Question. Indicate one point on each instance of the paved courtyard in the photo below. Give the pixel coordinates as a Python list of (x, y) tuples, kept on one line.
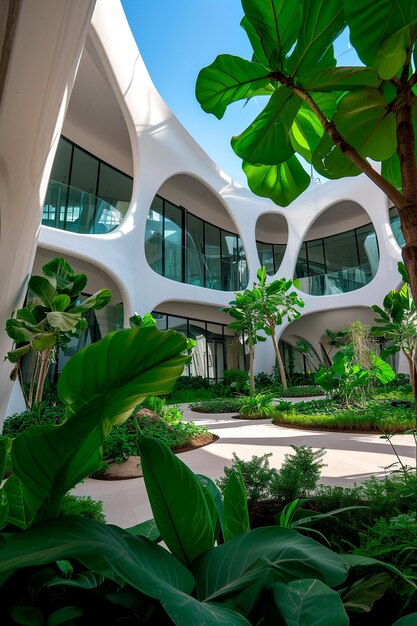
[(349, 457)]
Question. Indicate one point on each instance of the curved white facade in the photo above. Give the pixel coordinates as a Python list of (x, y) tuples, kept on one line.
[(116, 114)]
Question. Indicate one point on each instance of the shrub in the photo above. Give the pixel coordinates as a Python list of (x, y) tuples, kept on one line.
[(237, 380), (83, 506), (256, 473), (18, 423), (299, 474), (263, 380), (221, 405), (256, 406), (299, 391)]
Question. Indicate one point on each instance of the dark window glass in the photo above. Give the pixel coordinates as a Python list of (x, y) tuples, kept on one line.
[(195, 251), (154, 235), (301, 269), (213, 257), (173, 233), (396, 228), (279, 251), (230, 265), (315, 252), (266, 257), (197, 331), (243, 266), (84, 171), (215, 351), (115, 188), (161, 320), (341, 252), (61, 167)]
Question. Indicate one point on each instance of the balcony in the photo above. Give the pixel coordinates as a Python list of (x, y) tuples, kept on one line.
[(334, 283), (71, 209), (188, 265)]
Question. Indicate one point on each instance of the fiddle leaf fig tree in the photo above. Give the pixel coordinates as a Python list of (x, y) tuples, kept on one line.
[(339, 119), (52, 317)]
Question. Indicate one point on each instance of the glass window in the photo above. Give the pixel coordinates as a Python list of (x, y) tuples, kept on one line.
[(215, 351), (62, 163), (115, 188), (161, 320), (395, 225), (213, 257), (266, 256), (195, 251), (84, 171), (341, 252), (198, 366), (279, 251), (173, 229), (301, 269), (230, 267), (154, 235), (243, 267), (315, 251)]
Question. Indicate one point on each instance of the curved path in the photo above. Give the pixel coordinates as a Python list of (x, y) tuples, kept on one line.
[(349, 457)]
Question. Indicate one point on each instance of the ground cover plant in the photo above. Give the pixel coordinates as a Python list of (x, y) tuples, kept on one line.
[(220, 405)]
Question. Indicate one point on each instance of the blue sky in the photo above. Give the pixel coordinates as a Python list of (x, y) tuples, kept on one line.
[(179, 37)]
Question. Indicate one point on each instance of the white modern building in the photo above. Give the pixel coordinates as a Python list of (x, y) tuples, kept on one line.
[(89, 149)]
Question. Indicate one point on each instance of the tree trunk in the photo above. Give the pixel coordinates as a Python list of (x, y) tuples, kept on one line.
[(42, 375), (279, 359), (251, 374)]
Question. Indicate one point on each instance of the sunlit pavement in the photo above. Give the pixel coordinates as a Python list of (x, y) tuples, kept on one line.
[(349, 457)]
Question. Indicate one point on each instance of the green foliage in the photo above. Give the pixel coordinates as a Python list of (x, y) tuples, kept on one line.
[(18, 423), (237, 380), (136, 321), (257, 476), (258, 406), (221, 405), (83, 506), (300, 391), (51, 319), (235, 507)]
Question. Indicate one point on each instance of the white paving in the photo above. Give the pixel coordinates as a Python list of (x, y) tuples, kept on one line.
[(349, 457)]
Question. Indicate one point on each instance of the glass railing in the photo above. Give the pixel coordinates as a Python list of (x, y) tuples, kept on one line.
[(188, 265), (342, 281), (69, 208)]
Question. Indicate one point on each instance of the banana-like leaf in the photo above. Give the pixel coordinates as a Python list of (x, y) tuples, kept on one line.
[(363, 593), (228, 79), (382, 32), (295, 557), (211, 486), (177, 500), (364, 121), (339, 79), (329, 161), (322, 22), (276, 22), (43, 289), (19, 514), (235, 507), (267, 139), (101, 384), (96, 301), (147, 529), (308, 602), (282, 183), (408, 620)]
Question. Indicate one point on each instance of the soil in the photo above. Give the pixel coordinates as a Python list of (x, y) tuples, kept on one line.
[(131, 468)]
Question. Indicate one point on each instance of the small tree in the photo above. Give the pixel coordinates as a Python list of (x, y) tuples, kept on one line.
[(49, 321), (273, 303), (246, 322), (397, 323)]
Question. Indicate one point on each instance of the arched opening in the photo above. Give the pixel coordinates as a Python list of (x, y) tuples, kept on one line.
[(271, 241), (340, 252), (191, 238)]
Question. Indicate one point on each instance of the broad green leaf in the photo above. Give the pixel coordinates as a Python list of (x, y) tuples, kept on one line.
[(306, 133), (322, 22), (256, 41), (382, 370), (18, 331), (44, 341), (339, 79), (76, 287), (147, 529), (63, 321), (177, 500), (391, 171), (19, 513), (266, 140), (210, 486), (228, 79), (15, 355), (5, 446), (43, 289), (4, 508), (31, 314), (329, 161), (96, 301), (27, 616), (282, 183), (363, 593), (364, 122), (277, 23), (64, 615), (235, 507), (382, 32), (61, 302), (85, 580), (58, 268), (101, 385), (408, 620), (308, 602), (294, 555)]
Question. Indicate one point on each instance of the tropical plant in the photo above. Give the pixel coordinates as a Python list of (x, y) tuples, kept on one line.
[(52, 317), (238, 380), (397, 324), (273, 302), (339, 119), (346, 377), (256, 406)]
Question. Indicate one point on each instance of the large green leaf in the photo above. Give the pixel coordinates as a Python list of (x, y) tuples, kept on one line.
[(295, 557), (391, 171), (408, 620), (276, 22), (43, 289), (329, 161), (339, 79), (282, 183), (362, 118), (266, 140), (307, 130), (59, 271), (96, 301), (177, 500), (63, 321), (235, 507), (308, 602), (18, 331), (322, 22), (382, 32), (228, 79), (101, 385), (363, 593)]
